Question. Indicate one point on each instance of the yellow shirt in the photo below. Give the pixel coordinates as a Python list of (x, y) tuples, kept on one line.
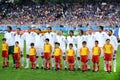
[(57, 52), (16, 49), (84, 51), (32, 51), (47, 48), (108, 48), (96, 50), (4, 47), (70, 52)]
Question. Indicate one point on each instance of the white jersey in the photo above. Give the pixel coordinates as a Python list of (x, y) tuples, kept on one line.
[(52, 37), (101, 37), (71, 40), (79, 40), (61, 39), (39, 41), (20, 39), (29, 37), (10, 39), (113, 41), (90, 41)]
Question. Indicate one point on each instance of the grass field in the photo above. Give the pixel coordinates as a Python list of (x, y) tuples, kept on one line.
[(28, 74)]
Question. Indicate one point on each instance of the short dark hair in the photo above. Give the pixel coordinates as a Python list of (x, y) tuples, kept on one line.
[(47, 39), (101, 27), (17, 42), (56, 43), (39, 29), (9, 27), (71, 44), (32, 44), (4, 39), (107, 39), (97, 41), (82, 31), (29, 28), (19, 28), (71, 31), (84, 42), (50, 28), (111, 31)]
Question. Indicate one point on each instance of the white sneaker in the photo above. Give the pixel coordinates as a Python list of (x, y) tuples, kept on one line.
[(114, 70), (105, 69), (26, 67)]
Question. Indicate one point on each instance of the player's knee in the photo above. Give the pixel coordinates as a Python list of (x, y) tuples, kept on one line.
[(21, 55), (37, 56), (78, 58), (64, 58), (27, 56)]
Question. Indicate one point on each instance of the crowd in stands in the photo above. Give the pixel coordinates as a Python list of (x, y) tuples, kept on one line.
[(72, 14)]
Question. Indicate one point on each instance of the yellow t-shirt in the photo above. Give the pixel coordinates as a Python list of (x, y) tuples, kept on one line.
[(16, 49), (4, 47), (108, 48), (70, 52), (84, 51), (47, 48), (96, 50), (32, 51), (57, 52)]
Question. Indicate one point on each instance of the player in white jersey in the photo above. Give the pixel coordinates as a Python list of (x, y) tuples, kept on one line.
[(29, 37), (52, 37), (90, 44), (62, 40), (113, 41), (79, 39), (39, 44), (20, 39), (10, 39), (71, 39), (101, 37)]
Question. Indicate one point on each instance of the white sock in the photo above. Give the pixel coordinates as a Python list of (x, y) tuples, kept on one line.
[(65, 63), (43, 62), (78, 63), (22, 60), (75, 64), (37, 64), (27, 62), (52, 62), (114, 64), (88, 63)]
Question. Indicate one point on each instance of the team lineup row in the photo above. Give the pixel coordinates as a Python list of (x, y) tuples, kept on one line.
[(52, 45)]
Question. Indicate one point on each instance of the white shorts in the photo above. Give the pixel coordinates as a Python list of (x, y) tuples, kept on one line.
[(39, 51), (27, 49), (78, 53), (90, 54)]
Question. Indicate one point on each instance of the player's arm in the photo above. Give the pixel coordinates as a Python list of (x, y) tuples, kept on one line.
[(88, 52)]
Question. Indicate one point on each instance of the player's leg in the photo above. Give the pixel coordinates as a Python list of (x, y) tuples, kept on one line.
[(89, 58), (37, 57), (10, 51), (27, 56), (78, 58), (22, 57), (114, 61), (65, 61), (43, 60), (4, 62)]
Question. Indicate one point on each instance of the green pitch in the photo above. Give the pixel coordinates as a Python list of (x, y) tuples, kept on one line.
[(28, 74)]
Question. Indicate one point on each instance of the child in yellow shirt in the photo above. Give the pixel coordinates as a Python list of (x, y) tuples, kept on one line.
[(57, 56), (4, 53), (32, 56)]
